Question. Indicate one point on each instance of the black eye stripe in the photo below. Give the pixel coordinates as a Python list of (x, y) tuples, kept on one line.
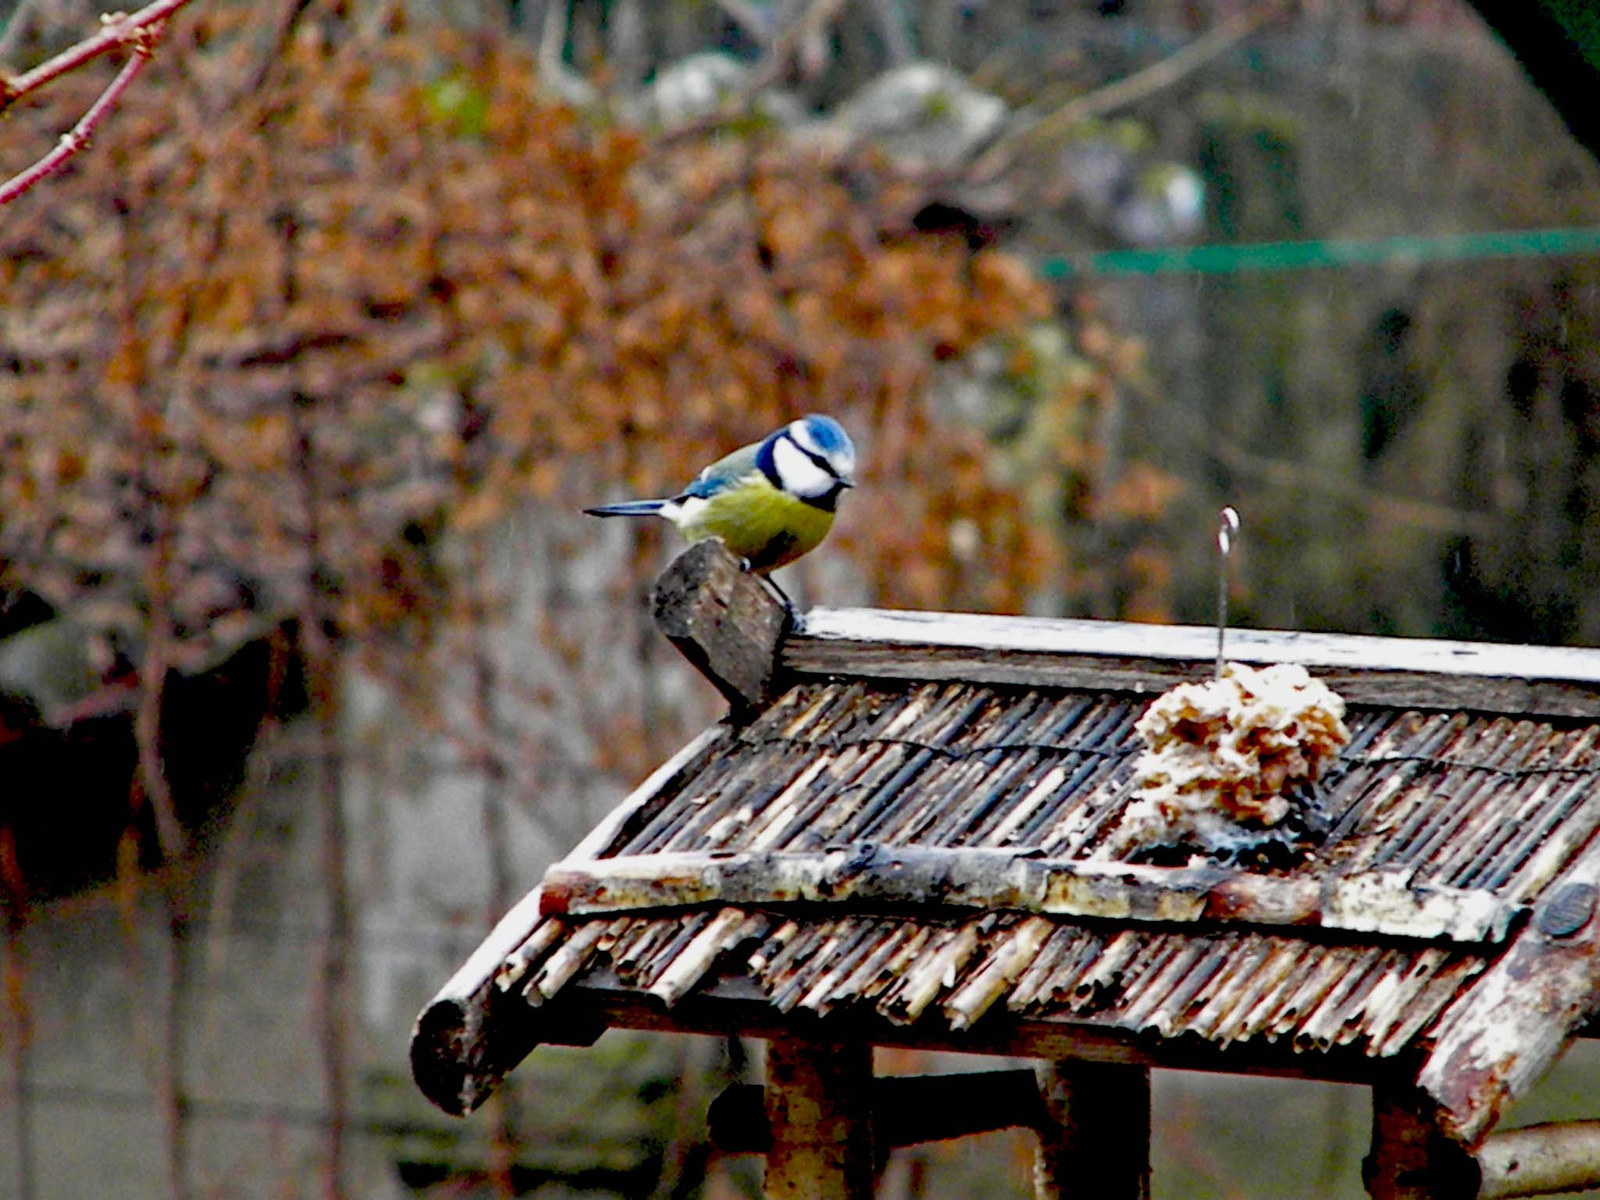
[(821, 462)]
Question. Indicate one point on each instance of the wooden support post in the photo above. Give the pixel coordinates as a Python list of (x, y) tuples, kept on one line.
[(906, 1109), (1096, 1127), (1410, 1159), (818, 1099)]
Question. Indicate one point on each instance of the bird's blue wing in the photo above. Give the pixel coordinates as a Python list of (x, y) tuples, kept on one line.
[(723, 474)]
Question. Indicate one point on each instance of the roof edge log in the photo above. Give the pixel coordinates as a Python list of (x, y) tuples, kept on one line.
[(1523, 1010), (1379, 901)]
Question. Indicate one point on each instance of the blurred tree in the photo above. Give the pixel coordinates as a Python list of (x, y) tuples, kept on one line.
[(264, 347)]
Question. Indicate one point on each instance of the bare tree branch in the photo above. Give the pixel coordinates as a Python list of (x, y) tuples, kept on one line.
[(1119, 94), (288, 20), (78, 137), (139, 32), (794, 45), (142, 28)]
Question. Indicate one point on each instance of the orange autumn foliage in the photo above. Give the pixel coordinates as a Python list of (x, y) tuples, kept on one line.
[(259, 347)]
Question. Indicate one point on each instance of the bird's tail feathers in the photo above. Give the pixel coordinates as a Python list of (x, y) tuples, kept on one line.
[(628, 508)]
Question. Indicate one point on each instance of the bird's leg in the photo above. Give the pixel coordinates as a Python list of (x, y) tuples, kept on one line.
[(782, 596), (792, 616)]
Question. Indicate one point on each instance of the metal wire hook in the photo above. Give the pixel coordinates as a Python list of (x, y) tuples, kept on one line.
[(1227, 531)]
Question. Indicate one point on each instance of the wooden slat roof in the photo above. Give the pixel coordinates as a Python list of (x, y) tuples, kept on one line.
[(903, 836)]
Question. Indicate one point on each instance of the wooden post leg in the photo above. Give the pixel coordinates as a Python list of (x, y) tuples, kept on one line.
[(818, 1106), (1410, 1159), (1094, 1134)]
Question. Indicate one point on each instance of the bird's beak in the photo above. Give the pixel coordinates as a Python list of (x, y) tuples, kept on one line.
[(846, 482)]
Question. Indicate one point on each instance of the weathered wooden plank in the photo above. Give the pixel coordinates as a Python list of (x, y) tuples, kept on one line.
[(907, 1110), (1097, 1127), (818, 1102), (732, 1004), (1128, 657), (724, 621), (1498, 1040), (1007, 962), (954, 878)]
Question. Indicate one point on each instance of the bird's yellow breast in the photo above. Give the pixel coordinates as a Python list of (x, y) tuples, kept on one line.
[(758, 523)]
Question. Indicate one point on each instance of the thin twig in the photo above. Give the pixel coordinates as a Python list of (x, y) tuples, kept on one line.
[(1298, 476), (1119, 94), (1427, 515), (153, 782), (139, 32), (172, 1096), (322, 673), (288, 22), (141, 29), (322, 666), (78, 137), (784, 50)]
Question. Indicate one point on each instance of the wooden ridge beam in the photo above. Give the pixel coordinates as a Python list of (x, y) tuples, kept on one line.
[(979, 878), (1123, 656)]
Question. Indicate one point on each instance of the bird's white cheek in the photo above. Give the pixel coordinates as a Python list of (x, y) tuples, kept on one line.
[(799, 474)]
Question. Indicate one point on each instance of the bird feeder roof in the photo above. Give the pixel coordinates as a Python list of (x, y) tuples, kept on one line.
[(900, 835)]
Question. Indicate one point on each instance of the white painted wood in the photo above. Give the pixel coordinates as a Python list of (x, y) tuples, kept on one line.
[(1186, 643)]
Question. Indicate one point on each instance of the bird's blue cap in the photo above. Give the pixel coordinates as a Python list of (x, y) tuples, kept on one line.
[(828, 434)]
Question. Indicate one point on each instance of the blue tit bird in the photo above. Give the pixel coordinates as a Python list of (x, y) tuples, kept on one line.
[(769, 502)]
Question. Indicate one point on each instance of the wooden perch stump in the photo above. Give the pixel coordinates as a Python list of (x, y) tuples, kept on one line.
[(724, 621)]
